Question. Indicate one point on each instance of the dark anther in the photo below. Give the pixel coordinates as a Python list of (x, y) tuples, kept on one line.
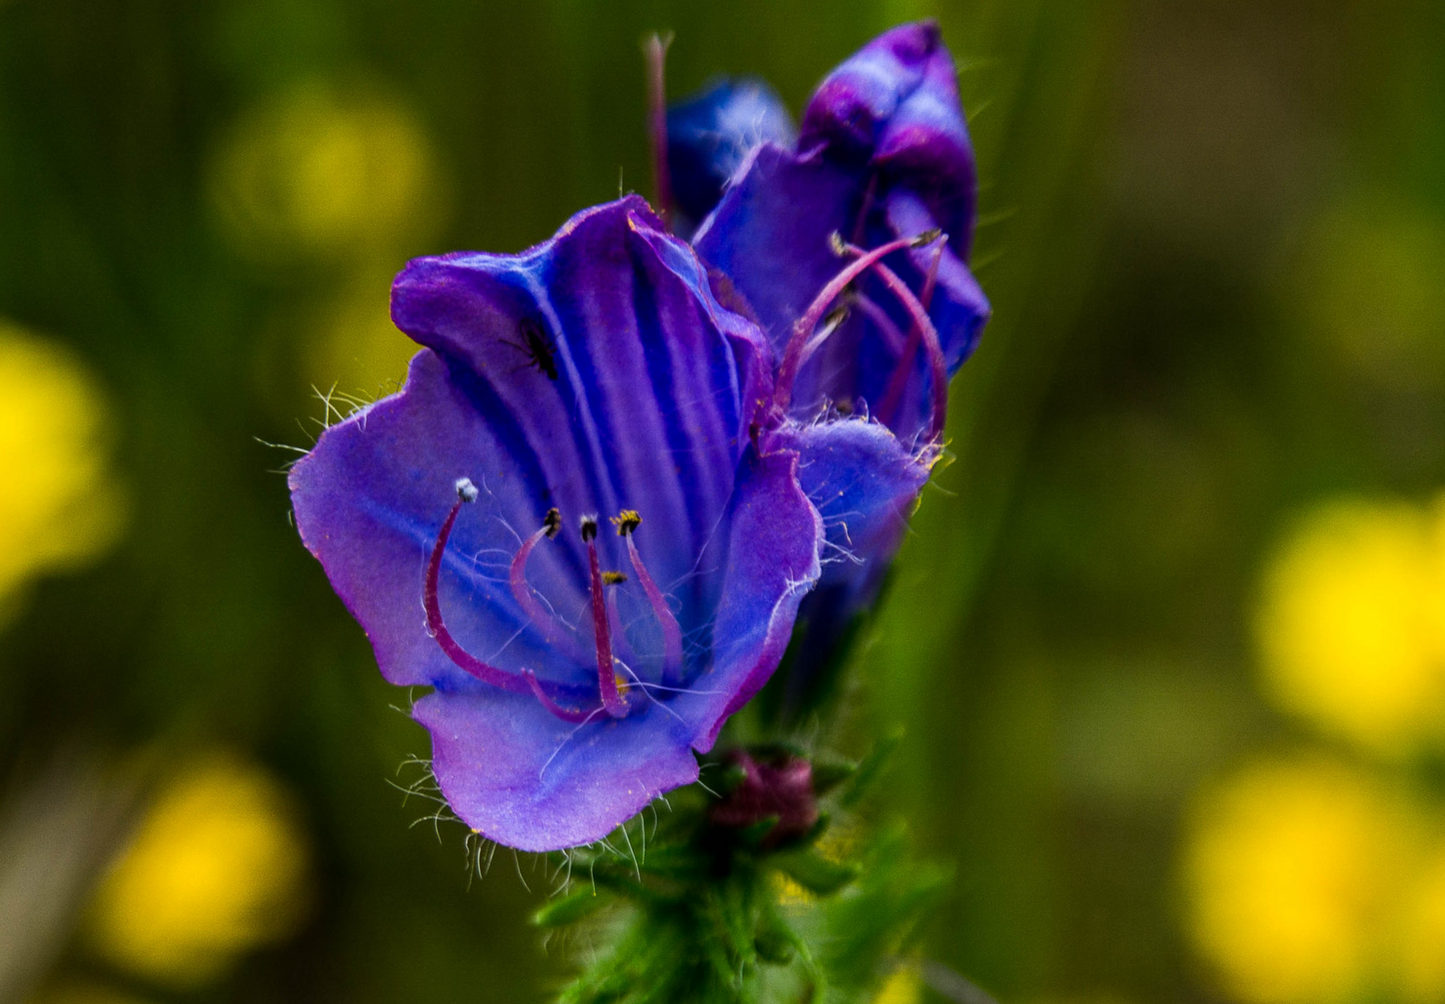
[(613, 578), (466, 491), (626, 522), (836, 244), (589, 528), (927, 237), (552, 522)]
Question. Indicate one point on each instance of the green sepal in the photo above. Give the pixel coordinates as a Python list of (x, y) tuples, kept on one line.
[(825, 819), (815, 873), (776, 947), (732, 777), (872, 767), (569, 909), (827, 776), (755, 835)]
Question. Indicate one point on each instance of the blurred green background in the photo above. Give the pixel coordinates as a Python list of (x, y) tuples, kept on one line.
[(1169, 639)]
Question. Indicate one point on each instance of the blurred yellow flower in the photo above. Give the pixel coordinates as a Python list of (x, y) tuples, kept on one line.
[(58, 504), (1290, 870), (1351, 626), (325, 175), (217, 865)]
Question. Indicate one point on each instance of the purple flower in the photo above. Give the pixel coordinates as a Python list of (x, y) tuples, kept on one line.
[(844, 218), (570, 523), (883, 154)]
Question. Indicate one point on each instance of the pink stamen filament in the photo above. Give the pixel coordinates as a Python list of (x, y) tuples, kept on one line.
[(540, 617), (793, 354), (620, 645), (655, 49), (898, 383), (865, 207), (517, 683), (566, 714), (831, 323), (929, 334), (483, 671), (671, 632), (606, 675)]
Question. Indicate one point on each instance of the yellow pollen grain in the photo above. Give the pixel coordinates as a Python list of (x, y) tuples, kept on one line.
[(626, 521)]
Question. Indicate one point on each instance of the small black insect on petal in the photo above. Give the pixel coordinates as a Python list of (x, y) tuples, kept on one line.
[(537, 347)]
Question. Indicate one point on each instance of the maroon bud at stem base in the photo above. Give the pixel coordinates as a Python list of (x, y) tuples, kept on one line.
[(780, 787)]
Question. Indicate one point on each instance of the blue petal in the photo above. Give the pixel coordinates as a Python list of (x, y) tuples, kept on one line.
[(525, 779), (769, 234), (370, 499), (711, 135), (770, 561), (864, 484), (894, 106)]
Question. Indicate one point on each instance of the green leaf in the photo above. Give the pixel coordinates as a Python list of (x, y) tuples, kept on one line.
[(872, 767)]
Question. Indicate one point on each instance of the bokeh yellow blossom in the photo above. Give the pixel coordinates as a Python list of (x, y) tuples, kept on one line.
[(218, 865), (325, 175), (59, 506), (1351, 626), (1291, 870)]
